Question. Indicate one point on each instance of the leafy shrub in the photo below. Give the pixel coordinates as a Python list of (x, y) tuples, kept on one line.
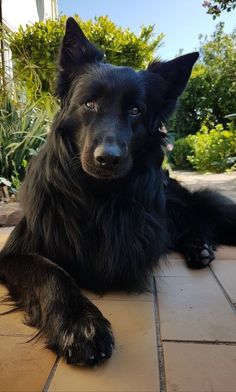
[(212, 150), (23, 130), (178, 157), (35, 48), (210, 93)]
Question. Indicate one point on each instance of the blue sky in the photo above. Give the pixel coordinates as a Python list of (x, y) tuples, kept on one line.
[(180, 20)]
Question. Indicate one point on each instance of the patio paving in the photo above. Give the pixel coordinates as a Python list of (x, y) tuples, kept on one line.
[(225, 183), (180, 337)]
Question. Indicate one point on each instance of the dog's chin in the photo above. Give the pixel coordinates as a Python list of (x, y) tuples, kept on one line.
[(105, 174)]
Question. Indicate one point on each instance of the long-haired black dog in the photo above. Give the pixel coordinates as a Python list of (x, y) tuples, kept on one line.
[(98, 209)]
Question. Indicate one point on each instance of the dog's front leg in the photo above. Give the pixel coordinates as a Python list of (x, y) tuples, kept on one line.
[(70, 324)]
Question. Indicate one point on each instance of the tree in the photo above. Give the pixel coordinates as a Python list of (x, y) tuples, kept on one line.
[(215, 7), (210, 94), (35, 48)]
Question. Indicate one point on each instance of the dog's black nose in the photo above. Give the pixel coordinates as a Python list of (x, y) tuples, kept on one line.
[(108, 155)]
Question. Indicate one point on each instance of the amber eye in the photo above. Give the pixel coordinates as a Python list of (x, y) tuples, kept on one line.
[(91, 105), (135, 111)]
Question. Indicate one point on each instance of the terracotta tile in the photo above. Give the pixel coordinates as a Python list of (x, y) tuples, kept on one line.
[(226, 253), (132, 367), (12, 324), (23, 367), (223, 252), (174, 256), (4, 234), (200, 367), (119, 296), (5, 231), (3, 292), (122, 296), (3, 239), (194, 309), (176, 267), (225, 271)]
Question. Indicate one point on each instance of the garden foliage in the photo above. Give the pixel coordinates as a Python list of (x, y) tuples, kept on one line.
[(35, 48), (209, 150), (213, 150), (178, 157), (23, 129), (210, 94)]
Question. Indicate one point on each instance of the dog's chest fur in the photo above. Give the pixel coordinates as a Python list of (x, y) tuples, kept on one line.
[(112, 241), (122, 239)]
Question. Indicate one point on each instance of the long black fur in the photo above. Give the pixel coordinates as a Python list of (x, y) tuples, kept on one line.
[(98, 209)]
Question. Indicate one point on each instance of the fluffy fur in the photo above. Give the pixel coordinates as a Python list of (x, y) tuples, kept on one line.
[(98, 209)]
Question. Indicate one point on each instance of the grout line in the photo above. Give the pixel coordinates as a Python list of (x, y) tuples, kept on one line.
[(160, 351), (51, 375), (210, 342), (222, 288)]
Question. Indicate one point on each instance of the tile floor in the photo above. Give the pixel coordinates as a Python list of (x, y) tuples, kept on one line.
[(181, 337)]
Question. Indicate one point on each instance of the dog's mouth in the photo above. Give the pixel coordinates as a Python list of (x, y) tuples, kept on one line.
[(106, 173)]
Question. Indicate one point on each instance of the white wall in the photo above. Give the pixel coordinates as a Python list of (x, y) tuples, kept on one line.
[(22, 12)]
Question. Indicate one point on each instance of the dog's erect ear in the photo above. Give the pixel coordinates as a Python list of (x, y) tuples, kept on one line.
[(175, 73), (76, 50)]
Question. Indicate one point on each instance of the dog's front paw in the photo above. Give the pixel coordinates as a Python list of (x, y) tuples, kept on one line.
[(90, 343), (87, 339)]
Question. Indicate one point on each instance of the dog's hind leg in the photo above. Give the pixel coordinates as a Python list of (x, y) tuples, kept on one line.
[(198, 222), (226, 226), (69, 323)]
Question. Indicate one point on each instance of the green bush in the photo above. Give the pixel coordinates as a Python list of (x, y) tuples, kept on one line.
[(212, 150), (35, 48), (23, 129), (178, 157), (210, 93)]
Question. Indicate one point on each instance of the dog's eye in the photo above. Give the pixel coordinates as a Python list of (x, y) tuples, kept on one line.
[(135, 111), (91, 105)]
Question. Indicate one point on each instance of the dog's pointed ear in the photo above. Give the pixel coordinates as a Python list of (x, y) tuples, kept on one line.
[(176, 73), (76, 48), (76, 51)]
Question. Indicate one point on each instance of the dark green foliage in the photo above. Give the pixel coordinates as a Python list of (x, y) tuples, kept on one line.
[(35, 49), (210, 94), (178, 158), (23, 129)]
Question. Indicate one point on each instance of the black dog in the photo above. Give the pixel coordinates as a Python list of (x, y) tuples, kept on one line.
[(95, 200)]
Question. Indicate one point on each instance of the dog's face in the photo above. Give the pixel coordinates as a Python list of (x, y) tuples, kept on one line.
[(108, 105), (113, 109)]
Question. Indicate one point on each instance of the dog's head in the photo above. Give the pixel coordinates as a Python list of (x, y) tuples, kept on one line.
[(111, 110)]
